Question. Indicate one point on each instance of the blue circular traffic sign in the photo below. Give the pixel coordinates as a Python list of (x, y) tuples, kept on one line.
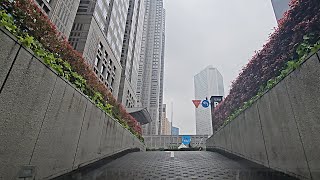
[(205, 103)]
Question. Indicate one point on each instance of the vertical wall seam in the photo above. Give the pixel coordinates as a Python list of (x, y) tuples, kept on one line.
[(229, 124), (84, 115), (242, 136), (115, 139), (101, 136), (225, 138), (295, 120), (10, 69), (51, 94), (264, 141), (231, 149), (318, 56)]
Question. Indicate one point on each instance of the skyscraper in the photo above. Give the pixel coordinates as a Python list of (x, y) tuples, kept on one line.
[(98, 33), (131, 53), (150, 74), (61, 13), (175, 131), (280, 7), (165, 124), (207, 83)]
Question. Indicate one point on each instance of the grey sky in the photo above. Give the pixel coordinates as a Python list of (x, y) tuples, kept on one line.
[(222, 33)]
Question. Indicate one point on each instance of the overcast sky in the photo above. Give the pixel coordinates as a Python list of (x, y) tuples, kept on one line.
[(222, 33)]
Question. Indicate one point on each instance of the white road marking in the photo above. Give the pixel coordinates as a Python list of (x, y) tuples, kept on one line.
[(172, 154)]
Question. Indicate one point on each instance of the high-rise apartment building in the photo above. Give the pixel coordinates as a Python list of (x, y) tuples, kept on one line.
[(61, 13), (131, 53), (207, 83), (150, 74), (280, 7), (98, 33), (165, 124)]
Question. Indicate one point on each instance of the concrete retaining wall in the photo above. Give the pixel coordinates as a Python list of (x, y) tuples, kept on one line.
[(45, 123), (282, 129)]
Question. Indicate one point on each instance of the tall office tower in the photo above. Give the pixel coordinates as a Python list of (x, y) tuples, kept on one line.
[(131, 53), (61, 13), (165, 124), (98, 33), (280, 7), (175, 131), (150, 74), (207, 83), (162, 68)]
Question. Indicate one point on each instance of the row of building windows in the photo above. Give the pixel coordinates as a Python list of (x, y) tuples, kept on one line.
[(104, 67)]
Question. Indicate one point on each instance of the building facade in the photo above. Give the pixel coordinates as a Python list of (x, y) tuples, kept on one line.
[(131, 53), (61, 12), (207, 83), (175, 131), (165, 124), (150, 74), (98, 33), (280, 7)]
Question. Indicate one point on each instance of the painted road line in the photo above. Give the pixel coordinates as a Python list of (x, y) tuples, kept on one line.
[(172, 154)]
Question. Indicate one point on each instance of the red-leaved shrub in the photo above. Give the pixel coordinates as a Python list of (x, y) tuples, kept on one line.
[(303, 18)]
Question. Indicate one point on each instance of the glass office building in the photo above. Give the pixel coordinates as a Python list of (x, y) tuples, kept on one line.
[(207, 83)]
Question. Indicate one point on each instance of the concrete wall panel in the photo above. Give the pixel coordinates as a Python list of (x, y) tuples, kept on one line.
[(91, 133), (217, 139), (7, 55), (23, 103), (303, 87), (106, 144), (61, 129), (220, 139), (253, 136), (236, 136), (284, 148), (228, 137), (224, 138), (118, 138), (127, 140)]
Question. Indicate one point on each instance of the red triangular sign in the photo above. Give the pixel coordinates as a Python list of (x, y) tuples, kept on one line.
[(196, 103)]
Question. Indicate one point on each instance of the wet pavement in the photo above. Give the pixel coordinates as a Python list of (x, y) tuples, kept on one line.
[(174, 165)]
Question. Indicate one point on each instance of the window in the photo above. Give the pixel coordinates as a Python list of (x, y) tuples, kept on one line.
[(107, 75), (97, 61), (112, 81), (102, 69), (106, 54), (100, 46)]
